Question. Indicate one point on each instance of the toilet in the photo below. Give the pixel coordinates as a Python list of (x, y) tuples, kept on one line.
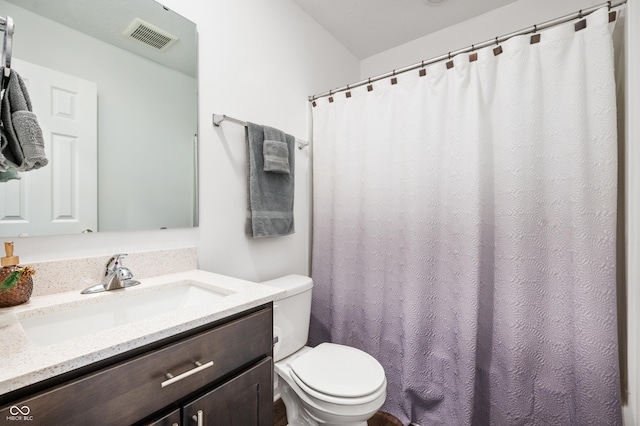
[(327, 385)]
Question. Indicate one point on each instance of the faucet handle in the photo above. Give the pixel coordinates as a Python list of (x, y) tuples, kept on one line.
[(124, 273), (115, 261)]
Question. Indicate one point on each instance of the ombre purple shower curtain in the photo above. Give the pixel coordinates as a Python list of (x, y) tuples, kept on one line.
[(464, 233)]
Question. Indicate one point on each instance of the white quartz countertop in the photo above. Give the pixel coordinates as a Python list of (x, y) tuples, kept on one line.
[(25, 362)]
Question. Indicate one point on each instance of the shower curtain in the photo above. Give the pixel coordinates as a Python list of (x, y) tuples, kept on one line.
[(464, 233)]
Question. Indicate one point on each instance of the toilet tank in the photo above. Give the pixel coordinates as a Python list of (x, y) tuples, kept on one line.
[(291, 314)]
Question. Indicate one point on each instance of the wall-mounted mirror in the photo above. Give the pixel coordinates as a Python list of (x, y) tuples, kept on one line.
[(114, 86)]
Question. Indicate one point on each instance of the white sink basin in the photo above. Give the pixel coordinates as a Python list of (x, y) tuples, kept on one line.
[(53, 327)]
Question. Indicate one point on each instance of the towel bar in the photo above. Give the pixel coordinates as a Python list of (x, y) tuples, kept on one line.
[(219, 118)]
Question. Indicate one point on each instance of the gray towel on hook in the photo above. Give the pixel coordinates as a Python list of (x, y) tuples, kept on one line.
[(22, 141), (6, 153), (276, 151), (270, 207), (9, 174), (11, 156)]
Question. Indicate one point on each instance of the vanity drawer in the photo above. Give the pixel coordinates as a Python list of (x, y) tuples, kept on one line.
[(134, 389)]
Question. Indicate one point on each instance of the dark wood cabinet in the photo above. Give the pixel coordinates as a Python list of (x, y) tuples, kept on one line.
[(171, 419), (245, 400), (224, 370)]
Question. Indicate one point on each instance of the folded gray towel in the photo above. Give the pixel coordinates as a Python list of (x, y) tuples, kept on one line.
[(276, 157), (23, 144), (275, 150), (270, 206)]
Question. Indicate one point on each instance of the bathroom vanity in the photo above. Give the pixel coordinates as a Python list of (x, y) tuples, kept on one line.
[(201, 364)]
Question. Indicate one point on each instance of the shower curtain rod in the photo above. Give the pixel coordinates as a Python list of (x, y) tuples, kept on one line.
[(219, 118), (548, 24)]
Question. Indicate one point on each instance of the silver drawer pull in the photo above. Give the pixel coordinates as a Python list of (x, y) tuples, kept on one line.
[(199, 418), (199, 367)]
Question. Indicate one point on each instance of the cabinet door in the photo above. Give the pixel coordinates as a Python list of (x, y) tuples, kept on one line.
[(171, 419), (245, 400)]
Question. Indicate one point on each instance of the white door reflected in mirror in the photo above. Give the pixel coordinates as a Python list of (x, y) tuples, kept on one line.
[(61, 197)]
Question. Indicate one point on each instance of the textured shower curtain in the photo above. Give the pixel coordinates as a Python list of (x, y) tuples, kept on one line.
[(464, 233)]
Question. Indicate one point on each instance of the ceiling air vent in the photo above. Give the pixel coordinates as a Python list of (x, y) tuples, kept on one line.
[(149, 34)]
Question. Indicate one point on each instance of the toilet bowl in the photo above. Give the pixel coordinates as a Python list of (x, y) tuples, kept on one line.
[(324, 387), (330, 384)]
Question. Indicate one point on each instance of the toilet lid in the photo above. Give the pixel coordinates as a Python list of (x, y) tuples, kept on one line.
[(339, 371)]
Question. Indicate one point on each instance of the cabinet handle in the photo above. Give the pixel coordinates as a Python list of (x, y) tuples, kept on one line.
[(199, 418), (199, 367)]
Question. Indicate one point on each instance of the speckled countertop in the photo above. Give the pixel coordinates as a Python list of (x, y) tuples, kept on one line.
[(25, 363)]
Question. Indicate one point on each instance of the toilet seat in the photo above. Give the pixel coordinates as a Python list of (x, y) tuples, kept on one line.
[(339, 374), (318, 396)]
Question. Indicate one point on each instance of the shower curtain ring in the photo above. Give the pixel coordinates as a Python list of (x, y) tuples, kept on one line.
[(498, 49), (535, 38), (580, 14), (609, 3), (394, 80), (473, 56)]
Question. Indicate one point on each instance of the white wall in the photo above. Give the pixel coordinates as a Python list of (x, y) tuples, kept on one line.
[(132, 106), (523, 14), (632, 166), (258, 61)]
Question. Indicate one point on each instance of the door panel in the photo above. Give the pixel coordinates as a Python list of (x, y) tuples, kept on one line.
[(245, 400), (61, 197)]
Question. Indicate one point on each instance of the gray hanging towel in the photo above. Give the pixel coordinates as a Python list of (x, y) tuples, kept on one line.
[(11, 156), (270, 206), (22, 142), (8, 153)]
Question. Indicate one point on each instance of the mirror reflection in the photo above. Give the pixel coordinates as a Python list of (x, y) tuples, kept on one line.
[(114, 86)]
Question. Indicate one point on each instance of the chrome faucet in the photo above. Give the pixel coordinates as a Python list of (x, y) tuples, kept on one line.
[(116, 276)]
